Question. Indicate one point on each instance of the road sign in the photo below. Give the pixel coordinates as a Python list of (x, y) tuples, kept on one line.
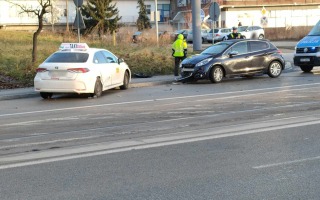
[(202, 15), (214, 11), (78, 3), (78, 21)]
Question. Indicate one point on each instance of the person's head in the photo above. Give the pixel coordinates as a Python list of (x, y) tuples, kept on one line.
[(180, 36), (234, 29)]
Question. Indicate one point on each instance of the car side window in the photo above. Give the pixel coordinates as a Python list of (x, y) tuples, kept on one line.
[(98, 58), (241, 48), (258, 46), (110, 57)]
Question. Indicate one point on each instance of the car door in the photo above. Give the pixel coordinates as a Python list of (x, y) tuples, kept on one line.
[(259, 52), (240, 61), (112, 63), (103, 69)]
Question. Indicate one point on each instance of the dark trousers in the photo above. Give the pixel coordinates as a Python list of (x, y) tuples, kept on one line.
[(177, 61)]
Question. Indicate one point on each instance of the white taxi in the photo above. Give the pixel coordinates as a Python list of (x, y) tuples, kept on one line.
[(76, 68)]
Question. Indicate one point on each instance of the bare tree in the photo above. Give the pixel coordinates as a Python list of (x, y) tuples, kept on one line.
[(39, 11)]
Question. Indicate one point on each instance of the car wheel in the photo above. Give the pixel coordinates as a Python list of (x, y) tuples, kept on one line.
[(274, 69), (244, 37), (97, 89), (261, 37), (125, 81), (46, 95), (216, 74), (306, 68)]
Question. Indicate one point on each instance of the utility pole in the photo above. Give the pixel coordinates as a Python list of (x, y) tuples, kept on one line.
[(196, 25), (67, 16)]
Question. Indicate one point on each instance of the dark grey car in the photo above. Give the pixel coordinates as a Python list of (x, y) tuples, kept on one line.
[(233, 58)]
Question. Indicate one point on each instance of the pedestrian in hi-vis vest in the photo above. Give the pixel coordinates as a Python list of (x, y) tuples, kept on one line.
[(234, 34), (179, 52)]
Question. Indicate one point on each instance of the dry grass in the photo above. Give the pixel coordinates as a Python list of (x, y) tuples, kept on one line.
[(145, 57)]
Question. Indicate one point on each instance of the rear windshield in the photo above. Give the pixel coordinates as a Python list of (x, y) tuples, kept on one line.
[(315, 31), (68, 57)]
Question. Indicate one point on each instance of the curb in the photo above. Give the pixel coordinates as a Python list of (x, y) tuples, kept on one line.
[(32, 93)]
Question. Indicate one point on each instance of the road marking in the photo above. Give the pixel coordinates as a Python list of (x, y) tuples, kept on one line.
[(274, 89), (287, 163), (84, 151)]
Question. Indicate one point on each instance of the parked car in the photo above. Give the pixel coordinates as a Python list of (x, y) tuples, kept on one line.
[(204, 35), (233, 58), (184, 32), (251, 32), (138, 37), (219, 34), (76, 68), (307, 51)]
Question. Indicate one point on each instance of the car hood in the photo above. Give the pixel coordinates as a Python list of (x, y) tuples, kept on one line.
[(197, 58), (309, 41)]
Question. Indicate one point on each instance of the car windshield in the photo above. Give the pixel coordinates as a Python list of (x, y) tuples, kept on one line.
[(315, 31), (180, 31), (217, 48), (242, 28), (215, 30), (68, 57)]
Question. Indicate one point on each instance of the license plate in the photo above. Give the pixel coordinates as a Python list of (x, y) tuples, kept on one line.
[(304, 59), (187, 70)]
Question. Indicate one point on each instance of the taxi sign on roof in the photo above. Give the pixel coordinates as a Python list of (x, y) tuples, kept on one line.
[(74, 46)]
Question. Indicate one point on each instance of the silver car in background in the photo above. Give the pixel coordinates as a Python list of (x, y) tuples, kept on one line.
[(204, 35), (251, 32), (219, 34)]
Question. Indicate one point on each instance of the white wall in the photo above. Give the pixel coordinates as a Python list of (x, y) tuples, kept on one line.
[(275, 18)]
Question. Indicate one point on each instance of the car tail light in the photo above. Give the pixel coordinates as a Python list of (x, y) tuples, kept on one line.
[(39, 70), (78, 70), (217, 35)]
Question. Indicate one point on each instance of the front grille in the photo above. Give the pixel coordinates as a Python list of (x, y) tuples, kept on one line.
[(188, 65), (307, 50)]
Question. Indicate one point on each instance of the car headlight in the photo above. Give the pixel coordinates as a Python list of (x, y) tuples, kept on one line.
[(203, 62)]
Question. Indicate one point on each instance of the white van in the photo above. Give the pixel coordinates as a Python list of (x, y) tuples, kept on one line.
[(307, 54)]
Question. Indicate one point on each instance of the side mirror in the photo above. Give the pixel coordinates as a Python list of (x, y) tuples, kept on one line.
[(233, 53), (120, 60)]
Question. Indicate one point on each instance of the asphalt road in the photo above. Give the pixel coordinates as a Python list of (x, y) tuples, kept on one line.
[(244, 138)]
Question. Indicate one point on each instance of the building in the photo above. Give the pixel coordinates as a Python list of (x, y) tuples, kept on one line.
[(267, 13), (177, 13), (65, 11)]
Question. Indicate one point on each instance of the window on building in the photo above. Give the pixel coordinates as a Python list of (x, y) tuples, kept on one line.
[(164, 10), (148, 9)]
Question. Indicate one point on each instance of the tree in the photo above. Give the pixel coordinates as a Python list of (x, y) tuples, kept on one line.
[(100, 16), (143, 21), (39, 11)]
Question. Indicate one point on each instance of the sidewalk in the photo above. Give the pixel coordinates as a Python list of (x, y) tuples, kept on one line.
[(135, 83)]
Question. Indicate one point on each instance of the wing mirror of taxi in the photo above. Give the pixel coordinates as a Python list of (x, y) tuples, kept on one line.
[(120, 60), (233, 53)]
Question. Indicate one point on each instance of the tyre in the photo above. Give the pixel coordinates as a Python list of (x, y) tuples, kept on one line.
[(97, 89), (46, 95), (216, 74), (274, 69), (261, 37), (244, 37), (125, 81), (306, 68)]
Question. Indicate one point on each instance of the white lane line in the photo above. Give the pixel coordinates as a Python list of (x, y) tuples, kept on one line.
[(49, 156), (287, 163), (274, 89)]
